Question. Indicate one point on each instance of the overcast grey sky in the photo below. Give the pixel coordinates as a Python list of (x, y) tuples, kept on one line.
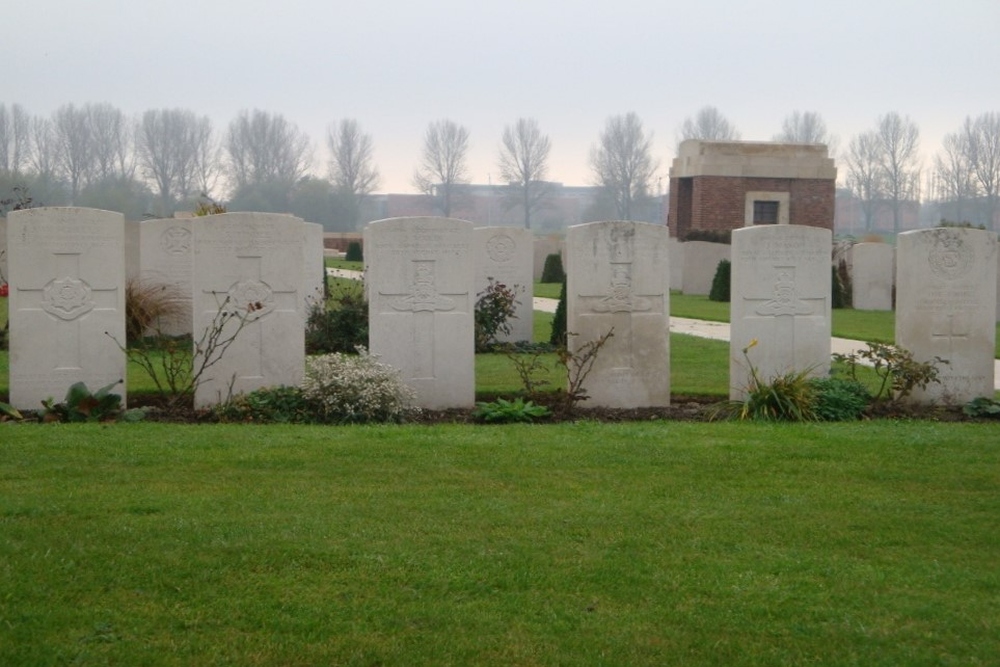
[(396, 65)]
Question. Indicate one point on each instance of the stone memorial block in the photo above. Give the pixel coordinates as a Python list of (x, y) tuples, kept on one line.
[(675, 249), (3, 251), (701, 259), (945, 299), (313, 268), (165, 261), (67, 302), (420, 277), (871, 276), (505, 255), (249, 265), (618, 280), (780, 297), (131, 250)]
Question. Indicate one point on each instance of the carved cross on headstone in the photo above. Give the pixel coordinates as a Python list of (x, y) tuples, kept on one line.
[(423, 300), (783, 303), (250, 297), (620, 303), (67, 298), (957, 328)]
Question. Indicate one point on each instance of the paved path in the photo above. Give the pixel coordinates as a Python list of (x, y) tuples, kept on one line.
[(700, 328)]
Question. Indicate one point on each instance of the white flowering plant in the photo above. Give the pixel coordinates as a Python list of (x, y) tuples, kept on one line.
[(351, 389)]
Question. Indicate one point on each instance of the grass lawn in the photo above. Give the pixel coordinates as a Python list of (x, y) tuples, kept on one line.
[(870, 325), (333, 263), (578, 544)]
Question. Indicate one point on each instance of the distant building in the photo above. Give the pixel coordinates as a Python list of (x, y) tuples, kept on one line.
[(724, 185)]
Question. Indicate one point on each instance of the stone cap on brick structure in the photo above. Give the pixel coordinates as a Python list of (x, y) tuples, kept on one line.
[(752, 159)]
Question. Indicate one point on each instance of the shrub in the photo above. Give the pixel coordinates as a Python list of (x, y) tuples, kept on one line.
[(502, 411), (553, 271), (279, 405), (840, 286), (721, 282), (150, 306), (710, 235), (558, 336), (350, 389), (354, 252), (495, 306), (341, 324), (982, 407), (900, 374), (839, 399), (786, 397)]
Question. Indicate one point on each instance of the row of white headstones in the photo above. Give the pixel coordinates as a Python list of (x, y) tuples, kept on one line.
[(68, 269)]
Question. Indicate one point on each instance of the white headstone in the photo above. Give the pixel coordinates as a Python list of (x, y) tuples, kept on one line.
[(67, 302), (3, 251), (313, 271), (618, 280), (871, 276), (701, 260), (945, 300), (780, 297), (505, 255), (676, 250), (249, 264), (165, 260), (420, 278)]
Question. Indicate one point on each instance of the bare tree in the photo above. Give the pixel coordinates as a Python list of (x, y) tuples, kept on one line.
[(898, 143), (352, 168), (954, 174), (864, 174), (42, 149), (14, 137), (708, 124), (982, 141), (623, 163), (266, 149), (523, 162), (806, 127), (167, 144), (205, 161), (74, 146), (442, 166), (111, 137)]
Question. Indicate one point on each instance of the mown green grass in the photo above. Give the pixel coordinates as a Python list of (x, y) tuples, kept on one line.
[(548, 290), (578, 544), (868, 325), (333, 263)]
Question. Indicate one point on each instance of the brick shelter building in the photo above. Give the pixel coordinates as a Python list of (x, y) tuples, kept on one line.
[(725, 185)]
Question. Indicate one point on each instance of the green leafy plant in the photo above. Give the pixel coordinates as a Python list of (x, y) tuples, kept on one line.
[(898, 371), (502, 411), (839, 398), (552, 271), (354, 252), (982, 406), (710, 235), (788, 396), (270, 405), (7, 411), (721, 282), (208, 206), (82, 405), (495, 307), (341, 324), (356, 388)]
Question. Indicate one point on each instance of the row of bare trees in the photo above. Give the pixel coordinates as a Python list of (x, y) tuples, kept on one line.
[(96, 155)]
